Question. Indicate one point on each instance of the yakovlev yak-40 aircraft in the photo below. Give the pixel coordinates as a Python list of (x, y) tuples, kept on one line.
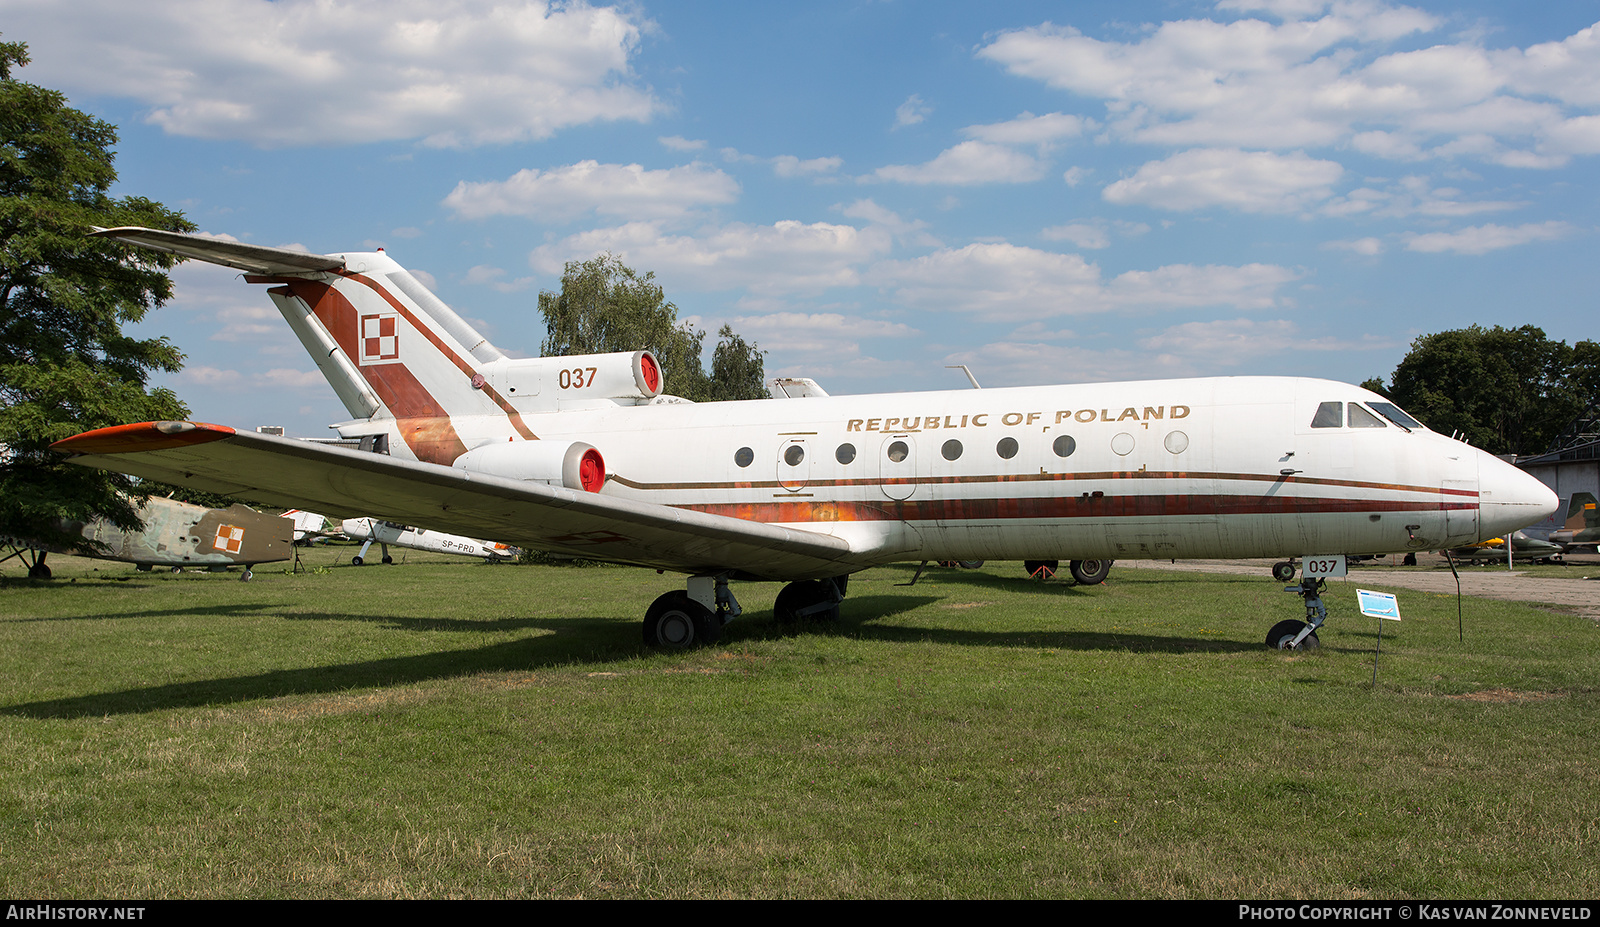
[(586, 456)]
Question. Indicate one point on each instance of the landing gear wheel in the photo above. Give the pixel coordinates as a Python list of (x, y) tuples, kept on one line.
[(387, 559), (356, 561), (804, 596), (245, 576), (1284, 632), (1283, 571), (38, 571), (1091, 572), (677, 621), (1041, 569)]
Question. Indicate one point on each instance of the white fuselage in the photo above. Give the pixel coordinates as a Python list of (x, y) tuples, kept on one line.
[(1220, 467), (382, 532)]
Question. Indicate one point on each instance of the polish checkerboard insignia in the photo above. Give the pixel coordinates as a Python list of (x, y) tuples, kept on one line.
[(380, 339), (229, 538)]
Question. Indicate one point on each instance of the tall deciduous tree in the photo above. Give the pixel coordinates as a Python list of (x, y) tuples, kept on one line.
[(605, 306), (1506, 390), (65, 364)]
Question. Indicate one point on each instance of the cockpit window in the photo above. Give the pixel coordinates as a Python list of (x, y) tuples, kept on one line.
[(1394, 414), (1361, 418), (1329, 415)]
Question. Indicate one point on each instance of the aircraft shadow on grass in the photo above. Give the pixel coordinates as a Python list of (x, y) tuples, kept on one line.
[(588, 639)]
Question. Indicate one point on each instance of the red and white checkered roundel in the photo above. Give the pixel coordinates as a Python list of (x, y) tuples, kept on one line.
[(229, 538), (380, 340)]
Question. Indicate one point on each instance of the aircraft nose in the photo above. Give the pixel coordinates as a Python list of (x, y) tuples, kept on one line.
[(1508, 498)]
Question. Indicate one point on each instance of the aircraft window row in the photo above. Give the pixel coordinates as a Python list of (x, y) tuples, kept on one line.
[(1006, 448), (1332, 415)]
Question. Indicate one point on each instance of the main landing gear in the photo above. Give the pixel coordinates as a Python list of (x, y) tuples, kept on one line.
[(694, 617), (1301, 635), (1085, 572), (361, 557)]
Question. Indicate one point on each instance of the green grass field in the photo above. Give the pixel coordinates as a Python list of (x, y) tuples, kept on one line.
[(445, 728)]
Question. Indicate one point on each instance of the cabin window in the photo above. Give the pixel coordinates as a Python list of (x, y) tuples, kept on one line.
[(845, 453), (1394, 414), (1329, 415), (744, 456), (1007, 448), (951, 449), (1064, 446), (898, 451), (1361, 418), (793, 454)]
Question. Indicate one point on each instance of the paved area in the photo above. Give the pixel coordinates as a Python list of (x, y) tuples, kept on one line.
[(1580, 593)]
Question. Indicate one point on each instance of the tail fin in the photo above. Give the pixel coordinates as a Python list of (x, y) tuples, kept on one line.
[(397, 356), (1581, 512)]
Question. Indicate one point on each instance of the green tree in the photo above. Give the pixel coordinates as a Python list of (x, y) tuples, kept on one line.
[(1506, 390), (65, 365), (604, 306)]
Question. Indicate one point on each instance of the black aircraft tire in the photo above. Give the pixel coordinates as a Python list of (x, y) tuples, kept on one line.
[(1285, 631), (676, 621), (356, 561), (387, 559), (1091, 572), (1283, 571), (39, 571), (1041, 569)]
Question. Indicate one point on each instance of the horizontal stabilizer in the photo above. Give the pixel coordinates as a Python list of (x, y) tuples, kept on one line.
[(346, 483), (254, 259)]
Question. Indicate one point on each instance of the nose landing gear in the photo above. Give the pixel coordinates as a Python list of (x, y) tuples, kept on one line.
[(1301, 635)]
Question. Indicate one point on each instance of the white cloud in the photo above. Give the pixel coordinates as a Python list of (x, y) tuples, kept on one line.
[(1005, 281), (1083, 234), (911, 112), (494, 278), (1230, 342), (817, 334), (679, 143), (453, 73), (787, 256), (1481, 239), (1249, 181), (972, 162), (791, 166), (1027, 129), (1363, 246), (607, 189), (1324, 76), (905, 231), (1411, 196)]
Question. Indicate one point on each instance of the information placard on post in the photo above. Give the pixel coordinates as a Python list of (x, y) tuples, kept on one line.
[(1378, 604)]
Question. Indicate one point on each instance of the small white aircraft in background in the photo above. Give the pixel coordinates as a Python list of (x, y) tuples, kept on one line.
[(384, 533), (311, 527), (585, 456)]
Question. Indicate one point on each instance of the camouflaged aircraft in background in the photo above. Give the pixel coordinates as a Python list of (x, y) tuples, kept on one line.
[(177, 535)]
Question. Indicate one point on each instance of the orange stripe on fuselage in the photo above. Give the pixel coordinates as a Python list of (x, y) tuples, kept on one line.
[(460, 362), (424, 424)]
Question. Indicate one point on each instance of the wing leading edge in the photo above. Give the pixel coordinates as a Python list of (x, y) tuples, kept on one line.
[(255, 259), (291, 473)]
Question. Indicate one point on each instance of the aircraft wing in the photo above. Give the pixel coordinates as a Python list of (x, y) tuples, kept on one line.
[(255, 259), (343, 482)]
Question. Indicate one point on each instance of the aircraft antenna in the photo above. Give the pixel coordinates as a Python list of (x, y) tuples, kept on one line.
[(963, 369)]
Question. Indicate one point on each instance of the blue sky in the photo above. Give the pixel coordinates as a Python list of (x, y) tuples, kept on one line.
[(1046, 192)]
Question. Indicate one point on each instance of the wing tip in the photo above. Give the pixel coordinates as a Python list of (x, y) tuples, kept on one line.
[(142, 436)]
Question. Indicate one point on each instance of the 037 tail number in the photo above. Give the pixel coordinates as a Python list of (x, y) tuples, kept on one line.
[(1324, 566)]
